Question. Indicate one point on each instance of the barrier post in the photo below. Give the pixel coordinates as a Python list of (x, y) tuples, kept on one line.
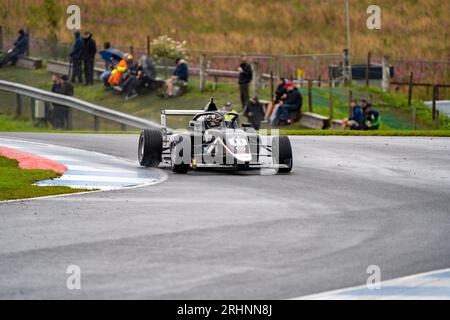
[(410, 88), (386, 74), (69, 119), (96, 123), (18, 105), (148, 46), (435, 97), (330, 99), (350, 98), (1, 37), (255, 81), (310, 98), (203, 72), (369, 56)]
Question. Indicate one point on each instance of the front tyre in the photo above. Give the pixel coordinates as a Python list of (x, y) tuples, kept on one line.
[(150, 148), (282, 153)]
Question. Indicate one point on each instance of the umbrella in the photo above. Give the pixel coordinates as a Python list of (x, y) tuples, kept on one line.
[(107, 54)]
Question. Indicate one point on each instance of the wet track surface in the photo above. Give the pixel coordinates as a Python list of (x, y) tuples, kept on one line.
[(351, 202)]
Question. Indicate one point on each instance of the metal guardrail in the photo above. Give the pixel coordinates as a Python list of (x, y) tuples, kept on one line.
[(71, 102)]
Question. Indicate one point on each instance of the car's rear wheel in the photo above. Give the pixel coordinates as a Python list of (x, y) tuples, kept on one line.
[(150, 148), (180, 155), (282, 153)]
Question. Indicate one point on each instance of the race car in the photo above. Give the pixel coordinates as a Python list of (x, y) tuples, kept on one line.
[(214, 139)]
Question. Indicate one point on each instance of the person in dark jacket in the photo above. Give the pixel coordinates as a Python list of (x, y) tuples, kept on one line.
[(88, 52), (75, 57), (356, 121), (20, 47), (372, 118), (179, 78), (292, 103), (254, 112), (245, 77), (62, 113)]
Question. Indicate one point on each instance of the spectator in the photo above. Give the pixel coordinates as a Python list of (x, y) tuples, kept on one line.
[(179, 78), (116, 74), (62, 113), (228, 107), (75, 58), (293, 103), (356, 121), (107, 73), (55, 83), (372, 118), (88, 52), (134, 80), (245, 77), (364, 105), (20, 47), (254, 112), (277, 99)]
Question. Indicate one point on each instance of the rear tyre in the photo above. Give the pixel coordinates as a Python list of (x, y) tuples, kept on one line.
[(150, 148), (180, 155), (282, 153)]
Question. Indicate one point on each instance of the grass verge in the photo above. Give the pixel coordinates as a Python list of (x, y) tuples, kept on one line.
[(17, 183), (385, 133)]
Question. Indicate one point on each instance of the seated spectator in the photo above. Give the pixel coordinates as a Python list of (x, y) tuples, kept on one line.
[(372, 118), (116, 74), (20, 47), (107, 73), (293, 103), (179, 78), (356, 121), (276, 99), (254, 111)]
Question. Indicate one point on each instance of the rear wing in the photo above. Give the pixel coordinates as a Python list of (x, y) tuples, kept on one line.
[(165, 113)]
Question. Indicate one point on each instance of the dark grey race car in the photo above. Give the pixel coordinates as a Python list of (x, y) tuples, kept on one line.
[(214, 139)]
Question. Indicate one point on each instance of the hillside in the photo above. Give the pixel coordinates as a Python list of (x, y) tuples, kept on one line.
[(414, 29)]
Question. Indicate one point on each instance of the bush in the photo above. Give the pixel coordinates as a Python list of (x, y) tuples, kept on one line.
[(165, 47)]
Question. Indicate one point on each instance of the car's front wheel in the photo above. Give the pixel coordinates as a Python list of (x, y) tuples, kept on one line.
[(150, 148), (282, 153)]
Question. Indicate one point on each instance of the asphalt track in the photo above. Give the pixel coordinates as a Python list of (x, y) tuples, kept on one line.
[(351, 202)]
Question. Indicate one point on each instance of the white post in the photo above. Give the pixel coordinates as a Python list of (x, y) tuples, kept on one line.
[(385, 83)]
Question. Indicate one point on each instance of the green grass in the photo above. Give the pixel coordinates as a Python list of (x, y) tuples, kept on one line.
[(395, 113), (16, 183), (387, 133)]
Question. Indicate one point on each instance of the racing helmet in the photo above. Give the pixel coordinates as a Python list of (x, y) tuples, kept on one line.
[(213, 120)]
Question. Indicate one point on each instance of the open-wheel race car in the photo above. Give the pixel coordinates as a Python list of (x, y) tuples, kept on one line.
[(214, 139)]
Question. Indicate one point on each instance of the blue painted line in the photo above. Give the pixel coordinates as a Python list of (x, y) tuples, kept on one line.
[(400, 291), (87, 183), (442, 275), (103, 174)]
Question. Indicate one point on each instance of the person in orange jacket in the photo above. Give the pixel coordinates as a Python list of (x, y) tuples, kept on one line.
[(118, 71)]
